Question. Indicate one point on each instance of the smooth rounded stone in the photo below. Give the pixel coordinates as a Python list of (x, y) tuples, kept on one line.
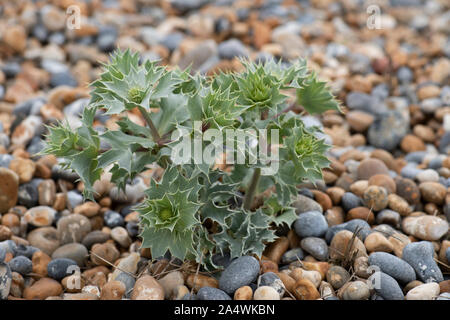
[(172, 40), (21, 265), (94, 237), (120, 235), (377, 242), (73, 228), (8, 189), (42, 289), (41, 216), (74, 198), (104, 254), (376, 198), (340, 246), (2, 254), (426, 291), (47, 192), (266, 293), (74, 251), (272, 280), (113, 219), (45, 238), (393, 266), (310, 224), (370, 167), (128, 264), (427, 227), (5, 281), (386, 286), (170, 282), (405, 75), (433, 192), (356, 290), (107, 42), (209, 293), (306, 192), (147, 288), (317, 247), (133, 228), (241, 272), (337, 276), (350, 201), (60, 268), (232, 48), (305, 204), (388, 130), (388, 216), (26, 251), (28, 195), (292, 255), (428, 175), (408, 190), (129, 282), (113, 290), (420, 256), (416, 157), (5, 160)]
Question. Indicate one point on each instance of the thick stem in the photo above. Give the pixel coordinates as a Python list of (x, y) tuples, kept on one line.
[(250, 194), (150, 123)]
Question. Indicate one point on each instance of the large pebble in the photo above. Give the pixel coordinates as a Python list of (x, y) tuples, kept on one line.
[(304, 204), (386, 286), (170, 282), (356, 290), (311, 224), (5, 281), (240, 272), (266, 293), (425, 227), (21, 264), (73, 228), (433, 192), (45, 238), (60, 268), (317, 247), (41, 216), (42, 289), (74, 251), (376, 198), (393, 266), (147, 288), (370, 167), (8, 189), (420, 256), (426, 291)]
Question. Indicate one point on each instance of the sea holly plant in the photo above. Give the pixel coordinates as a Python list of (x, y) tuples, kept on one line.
[(231, 147)]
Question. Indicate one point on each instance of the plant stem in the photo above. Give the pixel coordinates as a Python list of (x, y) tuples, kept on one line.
[(250, 194), (150, 123)]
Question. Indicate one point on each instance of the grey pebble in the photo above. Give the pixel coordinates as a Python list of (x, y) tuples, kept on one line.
[(241, 272), (420, 256)]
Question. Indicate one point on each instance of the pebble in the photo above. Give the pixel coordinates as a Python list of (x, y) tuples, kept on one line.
[(272, 280), (426, 291), (350, 201), (387, 130), (74, 251), (393, 266), (147, 288), (45, 238), (420, 256), (370, 167), (208, 293), (427, 176), (60, 268), (5, 281), (241, 272), (42, 289), (305, 204), (8, 189), (232, 48), (21, 264), (120, 235), (41, 216), (317, 247), (243, 293), (429, 228), (292, 255), (171, 282), (376, 198), (337, 276), (433, 192), (341, 244), (94, 237), (113, 290), (73, 228), (377, 242), (356, 290), (266, 293), (386, 286), (129, 265), (310, 224), (304, 289), (113, 219)]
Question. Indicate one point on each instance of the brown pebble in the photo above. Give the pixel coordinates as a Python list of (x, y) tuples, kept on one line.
[(113, 290), (147, 288), (276, 249), (370, 167), (197, 281), (323, 199), (42, 289), (335, 194), (412, 143), (383, 180), (243, 293), (375, 242), (305, 290), (361, 213)]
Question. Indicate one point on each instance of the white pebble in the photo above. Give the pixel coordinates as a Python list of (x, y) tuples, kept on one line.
[(427, 291), (266, 293), (428, 175)]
